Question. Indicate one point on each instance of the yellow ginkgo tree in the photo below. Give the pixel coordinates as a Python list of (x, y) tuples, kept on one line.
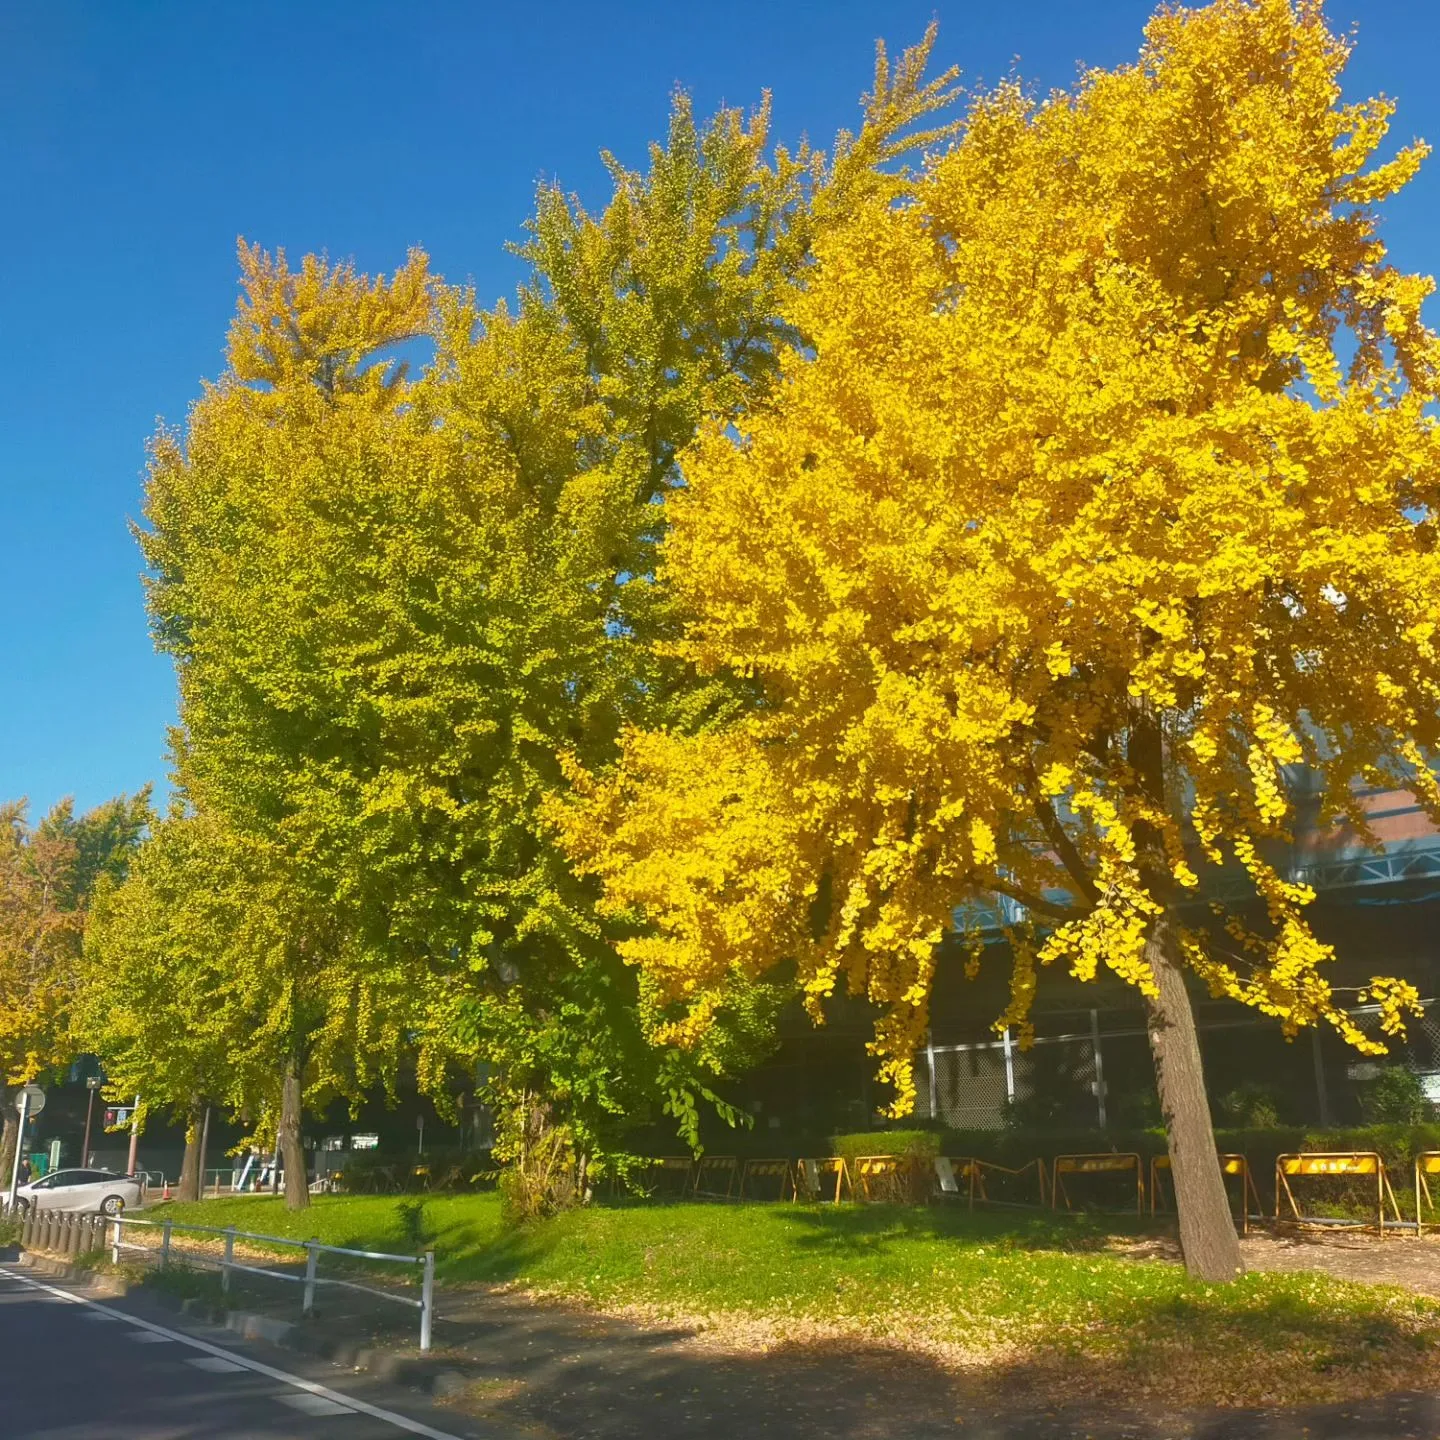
[(1101, 494)]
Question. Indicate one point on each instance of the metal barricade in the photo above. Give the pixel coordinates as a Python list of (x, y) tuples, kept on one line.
[(1107, 1163), (988, 1175), (1337, 1163), (670, 1175), (812, 1177), (1427, 1163), (1235, 1167), (759, 1174), (710, 1171), (311, 1279)]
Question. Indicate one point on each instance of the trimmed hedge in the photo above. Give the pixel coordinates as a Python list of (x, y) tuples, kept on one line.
[(914, 1144)]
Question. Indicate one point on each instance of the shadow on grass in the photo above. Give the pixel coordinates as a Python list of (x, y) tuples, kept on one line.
[(870, 1228), (1171, 1370)]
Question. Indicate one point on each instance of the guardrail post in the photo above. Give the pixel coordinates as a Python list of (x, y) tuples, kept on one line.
[(427, 1300), (165, 1244), (312, 1259), (117, 1221), (228, 1260)]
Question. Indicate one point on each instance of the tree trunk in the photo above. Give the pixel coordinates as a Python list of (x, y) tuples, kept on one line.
[(8, 1137), (1207, 1232), (292, 1151), (189, 1186)]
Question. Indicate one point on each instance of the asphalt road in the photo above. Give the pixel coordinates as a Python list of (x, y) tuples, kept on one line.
[(73, 1369)]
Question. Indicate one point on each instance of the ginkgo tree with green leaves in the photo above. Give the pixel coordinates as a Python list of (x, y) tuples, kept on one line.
[(395, 598), (1103, 493), (209, 977)]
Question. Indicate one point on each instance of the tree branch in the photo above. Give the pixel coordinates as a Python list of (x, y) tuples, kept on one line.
[(1030, 901), (1063, 845)]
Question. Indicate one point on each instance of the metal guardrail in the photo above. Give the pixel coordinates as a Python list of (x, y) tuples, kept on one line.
[(310, 1280)]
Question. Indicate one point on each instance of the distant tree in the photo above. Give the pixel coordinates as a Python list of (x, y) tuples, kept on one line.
[(48, 874), (208, 980), (1105, 491)]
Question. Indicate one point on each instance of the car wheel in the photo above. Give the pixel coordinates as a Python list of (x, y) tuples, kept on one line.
[(22, 1205), (112, 1205)]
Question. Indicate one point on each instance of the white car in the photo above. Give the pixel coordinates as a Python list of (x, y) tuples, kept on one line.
[(81, 1190)]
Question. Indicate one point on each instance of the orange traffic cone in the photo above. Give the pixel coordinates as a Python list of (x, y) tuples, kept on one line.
[(165, 1193)]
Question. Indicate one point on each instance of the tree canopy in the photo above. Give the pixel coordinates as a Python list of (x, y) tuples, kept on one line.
[(1103, 493), (49, 873)]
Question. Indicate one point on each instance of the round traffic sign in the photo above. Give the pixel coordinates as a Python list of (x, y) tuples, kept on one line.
[(37, 1099)]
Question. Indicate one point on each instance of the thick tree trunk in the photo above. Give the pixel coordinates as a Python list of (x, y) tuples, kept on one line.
[(292, 1150), (1207, 1232), (189, 1186)]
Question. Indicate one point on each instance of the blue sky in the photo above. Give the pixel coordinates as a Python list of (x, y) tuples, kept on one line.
[(138, 139)]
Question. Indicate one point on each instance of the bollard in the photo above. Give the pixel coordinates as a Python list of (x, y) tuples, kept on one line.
[(165, 1244), (312, 1258), (229, 1259), (27, 1228), (115, 1239), (427, 1300)]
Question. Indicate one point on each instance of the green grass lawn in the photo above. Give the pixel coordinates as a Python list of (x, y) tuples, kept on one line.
[(1040, 1298)]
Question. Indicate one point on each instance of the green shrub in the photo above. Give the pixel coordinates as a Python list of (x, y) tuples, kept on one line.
[(1251, 1106), (1395, 1097), (916, 1144)]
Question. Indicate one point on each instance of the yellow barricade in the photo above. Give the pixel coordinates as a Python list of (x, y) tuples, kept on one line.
[(1331, 1164), (985, 1178), (709, 1171), (1427, 1163), (812, 1179), (890, 1179), (1232, 1167), (764, 1171), (954, 1178), (670, 1175), (1108, 1163)]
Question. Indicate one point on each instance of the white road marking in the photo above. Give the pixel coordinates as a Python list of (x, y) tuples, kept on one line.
[(147, 1337), (349, 1402), (314, 1404), (214, 1364)]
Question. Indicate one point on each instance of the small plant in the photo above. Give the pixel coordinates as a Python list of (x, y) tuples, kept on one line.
[(412, 1221)]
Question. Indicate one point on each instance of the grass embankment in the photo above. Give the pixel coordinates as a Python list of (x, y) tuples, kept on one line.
[(1035, 1301)]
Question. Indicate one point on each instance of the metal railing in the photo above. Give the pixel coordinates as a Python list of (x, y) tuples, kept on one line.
[(310, 1279)]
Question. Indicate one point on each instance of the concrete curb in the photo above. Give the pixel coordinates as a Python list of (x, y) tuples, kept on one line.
[(427, 1373)]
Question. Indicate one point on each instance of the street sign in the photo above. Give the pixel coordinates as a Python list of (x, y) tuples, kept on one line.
[(36, 1099)]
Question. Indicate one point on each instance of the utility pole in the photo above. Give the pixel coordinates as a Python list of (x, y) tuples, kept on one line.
[(134, 1137), (204, 1146), (19, 1146), (1099, 1066), (92, 1085)]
